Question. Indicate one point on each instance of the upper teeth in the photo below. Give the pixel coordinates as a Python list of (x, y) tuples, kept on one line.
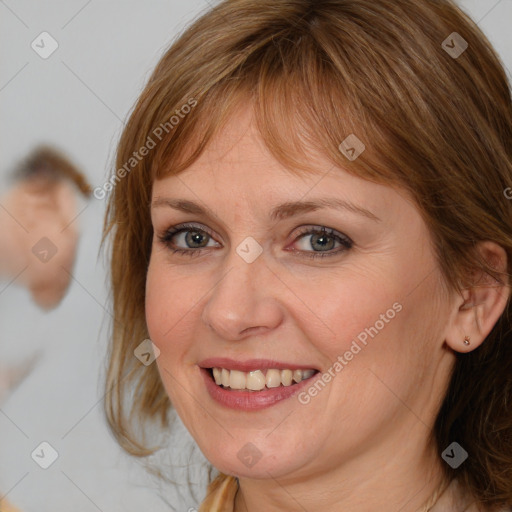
[(258, 379)]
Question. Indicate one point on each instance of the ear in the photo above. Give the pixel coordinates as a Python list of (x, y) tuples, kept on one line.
[(477, 309)]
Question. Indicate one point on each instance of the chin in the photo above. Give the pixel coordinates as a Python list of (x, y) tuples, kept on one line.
[(258, 460)]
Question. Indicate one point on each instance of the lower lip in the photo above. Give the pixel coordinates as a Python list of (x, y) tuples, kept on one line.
[(251, 400)]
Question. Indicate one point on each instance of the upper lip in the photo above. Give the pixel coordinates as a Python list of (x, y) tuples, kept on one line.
[(250, 365)]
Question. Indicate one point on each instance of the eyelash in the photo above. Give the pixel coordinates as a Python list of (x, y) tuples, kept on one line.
[(171, 232)]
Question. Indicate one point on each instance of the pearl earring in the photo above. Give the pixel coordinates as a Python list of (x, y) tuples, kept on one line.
[(466, 340)]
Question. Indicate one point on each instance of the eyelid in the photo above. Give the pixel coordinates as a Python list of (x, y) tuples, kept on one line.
[(186, 226), (308, 229), (303, 229)]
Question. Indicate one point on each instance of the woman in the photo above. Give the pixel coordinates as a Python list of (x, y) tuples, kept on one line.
[(38, 225), (338, 339), (41, 203)]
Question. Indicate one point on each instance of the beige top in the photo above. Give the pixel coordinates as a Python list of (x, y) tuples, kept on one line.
[(222, 491), (6, 507)]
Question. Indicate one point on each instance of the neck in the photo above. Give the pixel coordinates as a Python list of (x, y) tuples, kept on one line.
[(405, 481)]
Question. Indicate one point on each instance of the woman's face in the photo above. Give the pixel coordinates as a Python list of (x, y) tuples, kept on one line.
[(262, 296)]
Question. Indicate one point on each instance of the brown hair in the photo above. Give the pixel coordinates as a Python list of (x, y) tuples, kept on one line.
[(436, 124), (46, 162)]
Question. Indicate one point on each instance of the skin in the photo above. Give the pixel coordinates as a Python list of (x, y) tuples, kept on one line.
[(361, 443), (34, 209), (30, 210)]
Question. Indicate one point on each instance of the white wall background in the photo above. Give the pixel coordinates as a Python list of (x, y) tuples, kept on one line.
[(76, 100)]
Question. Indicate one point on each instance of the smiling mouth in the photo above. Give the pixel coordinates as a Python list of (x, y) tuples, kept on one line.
[(258, 380)]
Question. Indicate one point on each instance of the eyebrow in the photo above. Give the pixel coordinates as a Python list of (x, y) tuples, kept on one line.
[(280, 212)]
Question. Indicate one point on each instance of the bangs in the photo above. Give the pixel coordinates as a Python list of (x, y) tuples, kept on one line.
[(302, 107)]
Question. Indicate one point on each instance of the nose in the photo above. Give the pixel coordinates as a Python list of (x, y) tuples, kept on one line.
[(245, 302)]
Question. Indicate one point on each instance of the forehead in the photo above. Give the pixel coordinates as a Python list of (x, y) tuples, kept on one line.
[(237, 153), (236, 169)]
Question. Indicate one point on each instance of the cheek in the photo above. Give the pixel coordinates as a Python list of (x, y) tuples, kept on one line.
[(165, 309), (171, 308), (347, 306), (163, 304), (375, 317)]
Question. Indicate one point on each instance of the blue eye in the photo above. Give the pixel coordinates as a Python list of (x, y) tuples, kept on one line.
[(193, 235), (321, 237)]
